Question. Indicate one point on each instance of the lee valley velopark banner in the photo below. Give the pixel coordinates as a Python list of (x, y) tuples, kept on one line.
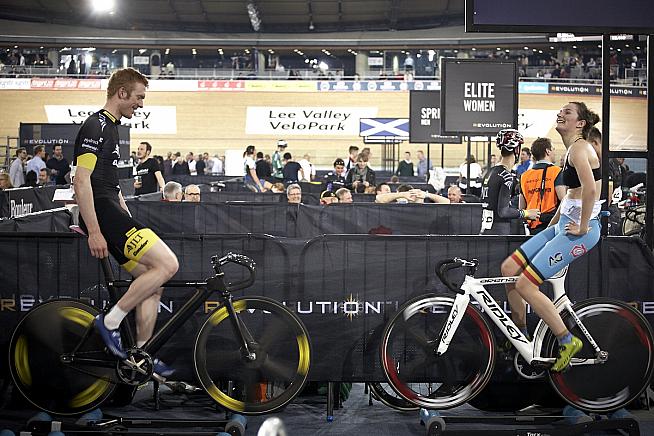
[(151, 120), (318, 121)]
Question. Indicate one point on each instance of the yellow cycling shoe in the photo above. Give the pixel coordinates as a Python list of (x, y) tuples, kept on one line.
[(566, 352)]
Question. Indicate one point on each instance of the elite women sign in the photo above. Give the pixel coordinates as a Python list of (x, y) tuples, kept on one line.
[(478, 97)]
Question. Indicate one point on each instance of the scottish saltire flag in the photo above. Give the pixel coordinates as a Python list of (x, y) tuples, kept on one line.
[(372, 127)]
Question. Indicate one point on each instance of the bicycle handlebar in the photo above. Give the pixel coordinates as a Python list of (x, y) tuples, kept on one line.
[(443, 266), (238, 259)]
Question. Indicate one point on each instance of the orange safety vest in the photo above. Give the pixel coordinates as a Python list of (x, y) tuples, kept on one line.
[(540, 194)]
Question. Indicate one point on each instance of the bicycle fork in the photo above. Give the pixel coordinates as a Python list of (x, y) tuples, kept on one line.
[(454, 318), (242, 334)]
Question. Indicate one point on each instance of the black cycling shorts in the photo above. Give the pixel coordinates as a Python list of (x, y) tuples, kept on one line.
[(127, 239)]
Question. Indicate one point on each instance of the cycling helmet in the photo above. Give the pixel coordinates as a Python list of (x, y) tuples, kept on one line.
[(510, 140)]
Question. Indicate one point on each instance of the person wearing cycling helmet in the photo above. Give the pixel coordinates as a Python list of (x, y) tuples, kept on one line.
[(498, 188), (573, 231)]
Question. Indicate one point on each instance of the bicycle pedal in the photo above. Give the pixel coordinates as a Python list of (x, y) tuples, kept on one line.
[(181, 387)]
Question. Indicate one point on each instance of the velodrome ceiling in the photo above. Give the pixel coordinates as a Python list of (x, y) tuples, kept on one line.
[(231, 16)]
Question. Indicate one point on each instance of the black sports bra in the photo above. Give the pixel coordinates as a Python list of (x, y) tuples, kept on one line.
[(571, 178)]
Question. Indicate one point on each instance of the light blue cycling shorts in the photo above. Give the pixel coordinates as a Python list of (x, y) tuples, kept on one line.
[(547, 252)]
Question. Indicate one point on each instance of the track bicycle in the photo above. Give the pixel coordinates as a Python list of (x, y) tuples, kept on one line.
[(251, 355), (448, 343)]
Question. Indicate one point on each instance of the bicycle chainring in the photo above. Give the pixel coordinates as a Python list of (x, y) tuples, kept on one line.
[(136, 369), (530, 372)]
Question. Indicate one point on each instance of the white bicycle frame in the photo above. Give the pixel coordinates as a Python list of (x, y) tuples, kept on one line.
[(529, 350)]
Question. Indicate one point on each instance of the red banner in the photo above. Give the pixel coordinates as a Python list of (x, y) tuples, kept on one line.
[(221, 85)]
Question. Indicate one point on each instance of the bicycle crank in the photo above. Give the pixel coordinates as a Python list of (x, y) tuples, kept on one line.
[(136, 369)]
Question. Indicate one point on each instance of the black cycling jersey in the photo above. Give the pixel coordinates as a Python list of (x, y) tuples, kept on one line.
[(496, 192), (147, 170), (98, 136)]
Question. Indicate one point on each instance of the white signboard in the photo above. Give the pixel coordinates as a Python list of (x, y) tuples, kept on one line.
[(151, 120), (536, 123), (14, 83), (307, 121)]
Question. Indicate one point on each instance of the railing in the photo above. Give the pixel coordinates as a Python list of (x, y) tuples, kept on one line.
[(588, 75)]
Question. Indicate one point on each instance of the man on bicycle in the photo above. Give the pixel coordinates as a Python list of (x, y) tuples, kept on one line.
[(107, 221)]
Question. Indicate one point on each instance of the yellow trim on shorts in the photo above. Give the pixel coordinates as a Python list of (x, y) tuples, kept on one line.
[(129, 265), (87, 160), (138, 243)]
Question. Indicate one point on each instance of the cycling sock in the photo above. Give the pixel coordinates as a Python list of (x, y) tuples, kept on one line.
[(565, 339), (115, 316)]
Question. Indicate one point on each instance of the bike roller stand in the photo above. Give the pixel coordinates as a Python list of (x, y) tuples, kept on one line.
[(94, 422), (569, 424)]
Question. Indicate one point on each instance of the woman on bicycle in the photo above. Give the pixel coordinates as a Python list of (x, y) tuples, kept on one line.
[(573, 231)]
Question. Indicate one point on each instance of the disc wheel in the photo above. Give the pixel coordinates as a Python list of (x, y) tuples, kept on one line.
[(37, 352), (626, 336), (270, 378), (410, 361)]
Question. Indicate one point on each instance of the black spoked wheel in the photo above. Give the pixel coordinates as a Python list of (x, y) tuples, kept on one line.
[(626, 336), (37, 356), (384, 393), (276, 372), (416, 373)]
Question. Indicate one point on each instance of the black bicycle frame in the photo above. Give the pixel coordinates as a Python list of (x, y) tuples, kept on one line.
[(202, 292)]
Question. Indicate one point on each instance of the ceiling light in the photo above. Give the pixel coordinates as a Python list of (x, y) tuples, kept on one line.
[(194, 51), (167, 51), (114, 51), (41, 47), (498, 48), (306, 61), (525, 47), (574, 46), (143, 50), (473, 49), (551, 48), (15, 46), (103, 5), (253, 14), (311, 25)]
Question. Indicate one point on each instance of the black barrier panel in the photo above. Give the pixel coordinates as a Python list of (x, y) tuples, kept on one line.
[(21, 201), (51, 221), (344, 287), (43, 267), (305, 221), (352, 284), (401, 219)]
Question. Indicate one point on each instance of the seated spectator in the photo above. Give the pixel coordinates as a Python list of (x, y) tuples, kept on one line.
[(361, 175), (454, 194), (344, 195), (5, 181), (407, 194), (277, 188), (192, 194), (30, 180), (172, 192), (294, 193), (328, 197), (44, 177), (382, 188), (336, 179)]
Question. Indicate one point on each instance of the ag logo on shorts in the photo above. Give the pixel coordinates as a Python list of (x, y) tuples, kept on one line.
[(578, 250), (556, 258)]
